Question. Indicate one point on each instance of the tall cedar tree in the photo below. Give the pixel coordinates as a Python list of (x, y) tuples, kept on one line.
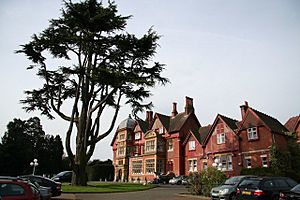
[(108, 65)]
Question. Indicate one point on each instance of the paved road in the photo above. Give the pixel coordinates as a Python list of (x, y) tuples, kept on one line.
[(163, 192)]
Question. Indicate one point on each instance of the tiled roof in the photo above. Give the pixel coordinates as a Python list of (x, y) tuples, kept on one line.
[(143, 124), (165, 120), (271, 122), (173, 124), (232, 123), (203, 132), (177, 122), (291, 124)]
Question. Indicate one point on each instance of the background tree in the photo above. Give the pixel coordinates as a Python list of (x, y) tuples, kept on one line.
[(25, 140), (108, 65)]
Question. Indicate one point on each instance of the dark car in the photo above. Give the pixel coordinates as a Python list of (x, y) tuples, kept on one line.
[(227, 190), (45, 182), (12, 188), (65, 176), (264, 188), (293, 194)]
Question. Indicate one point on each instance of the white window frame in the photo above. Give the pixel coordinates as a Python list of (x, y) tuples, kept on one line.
[(192, 165), (248, 162), (161, 130), (170, 147), (149, 147), (224, 162), (137, 136), (192, 145), (150, 166), (134, 169), (264, 160), (221, 138), (252, 133)]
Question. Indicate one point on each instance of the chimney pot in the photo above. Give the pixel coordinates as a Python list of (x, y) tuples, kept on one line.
[(149, 116), (189, 108), (244, 109), (174, 111)]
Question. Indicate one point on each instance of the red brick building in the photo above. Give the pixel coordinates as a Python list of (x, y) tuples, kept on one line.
[(257, 132), (221, 146), (293, 125), (177, 143), (157, 141)]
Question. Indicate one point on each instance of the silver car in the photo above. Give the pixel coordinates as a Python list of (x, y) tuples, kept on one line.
[(227, 191)]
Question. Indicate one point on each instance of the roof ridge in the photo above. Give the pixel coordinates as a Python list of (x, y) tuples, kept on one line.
[(264, 114), (229, 118)]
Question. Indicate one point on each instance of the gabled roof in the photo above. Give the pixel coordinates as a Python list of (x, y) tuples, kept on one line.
[(165, 120), (203, 132), (177, 122), (231, 123), (292, 123), (143, 125), (173, 124), (273, 124), (199, 134)]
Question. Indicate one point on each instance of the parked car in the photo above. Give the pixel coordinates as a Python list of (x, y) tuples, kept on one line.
[(12, 188), (45, 182), (264, 188), (293, 194), (186, 180), (227, 190), (176, 180), (65, 176), (45, 192)]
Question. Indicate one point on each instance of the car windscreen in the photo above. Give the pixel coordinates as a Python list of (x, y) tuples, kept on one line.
[(233, 180), (296, 189), (249, 183)]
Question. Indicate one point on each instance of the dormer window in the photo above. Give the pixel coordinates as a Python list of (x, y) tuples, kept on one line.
[(252, 133), (137, 136), (192, 145), (221, 138)]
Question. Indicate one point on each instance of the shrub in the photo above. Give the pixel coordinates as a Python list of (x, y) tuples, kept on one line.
[(264, 171), (202, 183)]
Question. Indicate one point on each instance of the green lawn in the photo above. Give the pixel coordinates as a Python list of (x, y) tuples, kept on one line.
[(105, 188)]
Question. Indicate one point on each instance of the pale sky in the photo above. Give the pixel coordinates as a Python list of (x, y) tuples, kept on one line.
[(219, 52)]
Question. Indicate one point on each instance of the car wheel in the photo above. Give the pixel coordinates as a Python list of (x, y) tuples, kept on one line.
[(179, 183), (232, 196)]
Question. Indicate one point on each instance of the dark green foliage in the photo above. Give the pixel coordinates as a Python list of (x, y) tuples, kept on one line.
[(282, 163), (25, 140), (261, 171), (101, 66), (202, 183), (100, 170)]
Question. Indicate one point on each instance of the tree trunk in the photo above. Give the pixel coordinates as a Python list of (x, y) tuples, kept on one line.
[(79, 170)]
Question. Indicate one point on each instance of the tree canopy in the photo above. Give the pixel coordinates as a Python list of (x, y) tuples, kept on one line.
[(24, 141), (108, 65)]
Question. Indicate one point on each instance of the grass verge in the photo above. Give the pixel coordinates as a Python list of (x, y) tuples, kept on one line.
[(105, 188)]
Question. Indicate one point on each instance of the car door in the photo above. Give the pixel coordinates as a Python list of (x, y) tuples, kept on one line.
[(13, 191), (281, 185), (268, 187)]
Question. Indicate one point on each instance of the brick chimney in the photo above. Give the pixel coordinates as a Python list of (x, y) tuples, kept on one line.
[(244, 109), (174, 111), (149, 116), (189, 108)]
